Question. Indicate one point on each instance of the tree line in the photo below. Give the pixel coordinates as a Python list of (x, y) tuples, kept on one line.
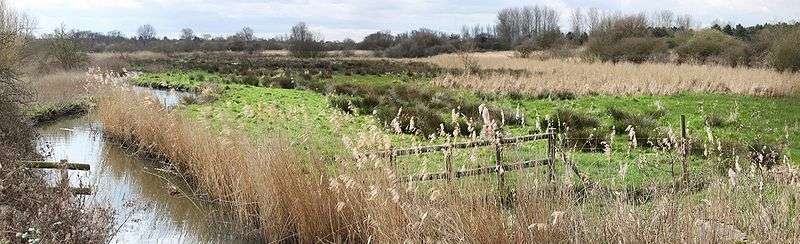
[(660, 36)]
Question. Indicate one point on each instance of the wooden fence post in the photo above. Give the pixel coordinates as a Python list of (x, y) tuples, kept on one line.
[(448, 160), (64, 175), (684, 149), (551, 153), (392, 159), (498, 160)]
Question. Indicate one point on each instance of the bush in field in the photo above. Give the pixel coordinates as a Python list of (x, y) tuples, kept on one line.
[(625, 39), (713, 45), (377, 41), (305, 44), (544, 41), (66, 50), (631, 49), (785, 53), (420, 43)]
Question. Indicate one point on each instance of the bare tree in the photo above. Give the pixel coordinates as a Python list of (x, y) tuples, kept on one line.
[(64, 47), (246, 34), (304, 43), (685, 22), (592, 19), (187, 34), (577, 21), (663, 18), (515, 25), (15, 32), (146, 32)]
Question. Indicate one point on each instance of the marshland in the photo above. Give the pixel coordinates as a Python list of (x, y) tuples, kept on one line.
[(540, 124)]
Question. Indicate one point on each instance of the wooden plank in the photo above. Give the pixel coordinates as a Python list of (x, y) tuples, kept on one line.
[(56, 165), (478, 143), (478, 171)]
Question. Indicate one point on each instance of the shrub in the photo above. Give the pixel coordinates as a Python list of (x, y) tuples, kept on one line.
[(304, 43), (625, 39), (785, 53), (644, 125), (65, 49), (631, 49), (713, 44), (564, 118), (420, 43)]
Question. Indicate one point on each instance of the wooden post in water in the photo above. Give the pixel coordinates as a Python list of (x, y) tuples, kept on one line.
[(551, 154), (684, 150), (498, 160)]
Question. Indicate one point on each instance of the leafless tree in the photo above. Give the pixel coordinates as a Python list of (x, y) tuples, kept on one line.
[(684, 22), (304, 43), (663, 18), (592, 19), (146, 32), (15, 32), (578, 21), (517, 24), (246, 34), (187, 34)]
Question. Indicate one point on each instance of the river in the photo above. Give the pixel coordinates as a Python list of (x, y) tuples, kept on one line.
[(148, 201)]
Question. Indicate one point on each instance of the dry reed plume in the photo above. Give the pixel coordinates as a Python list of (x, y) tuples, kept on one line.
[(359, 199), (582, 78)]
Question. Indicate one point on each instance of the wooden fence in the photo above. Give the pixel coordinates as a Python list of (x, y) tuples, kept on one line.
[(62, 165), (499, 168)]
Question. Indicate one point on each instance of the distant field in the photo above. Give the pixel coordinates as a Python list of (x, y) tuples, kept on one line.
[(576, 76)]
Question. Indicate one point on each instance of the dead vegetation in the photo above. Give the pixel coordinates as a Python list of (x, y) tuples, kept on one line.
[(579, 77)]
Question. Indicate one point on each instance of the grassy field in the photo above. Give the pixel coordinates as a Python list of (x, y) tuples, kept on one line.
[(308, 119), (301, 137)]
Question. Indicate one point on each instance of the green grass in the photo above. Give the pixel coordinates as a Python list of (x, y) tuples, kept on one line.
[(47, 112), (303, 117), (754, 118), (180, 80)]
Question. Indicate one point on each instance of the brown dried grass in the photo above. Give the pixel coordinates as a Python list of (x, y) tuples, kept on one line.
[(580, 77)]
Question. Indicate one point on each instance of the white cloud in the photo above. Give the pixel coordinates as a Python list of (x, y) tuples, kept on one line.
[(337, 19)]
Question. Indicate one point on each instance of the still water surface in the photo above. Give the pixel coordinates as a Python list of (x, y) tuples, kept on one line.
[(148, 202)]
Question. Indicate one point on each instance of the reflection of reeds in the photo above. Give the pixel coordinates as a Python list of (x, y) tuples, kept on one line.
[(360, 199), (580, 77)]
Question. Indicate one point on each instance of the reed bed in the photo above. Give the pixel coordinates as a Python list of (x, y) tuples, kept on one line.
[(580, 77), (358, 198), (57, 87)]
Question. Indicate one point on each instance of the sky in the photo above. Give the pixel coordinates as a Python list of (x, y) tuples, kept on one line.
[(339, 19)]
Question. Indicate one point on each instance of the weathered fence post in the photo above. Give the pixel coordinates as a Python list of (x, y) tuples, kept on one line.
[(551, 153), (684, 149), (448, 160), (64, 175), (392, 159), (498, 148)]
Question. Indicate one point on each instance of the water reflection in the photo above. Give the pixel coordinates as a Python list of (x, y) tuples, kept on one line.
[(147, 200)]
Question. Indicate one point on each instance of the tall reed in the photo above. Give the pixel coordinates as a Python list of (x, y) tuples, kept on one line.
[(581, 77), (358, 198)]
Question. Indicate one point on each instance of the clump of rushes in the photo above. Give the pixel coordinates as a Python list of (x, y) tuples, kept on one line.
[(644, 125), (582, 131)]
